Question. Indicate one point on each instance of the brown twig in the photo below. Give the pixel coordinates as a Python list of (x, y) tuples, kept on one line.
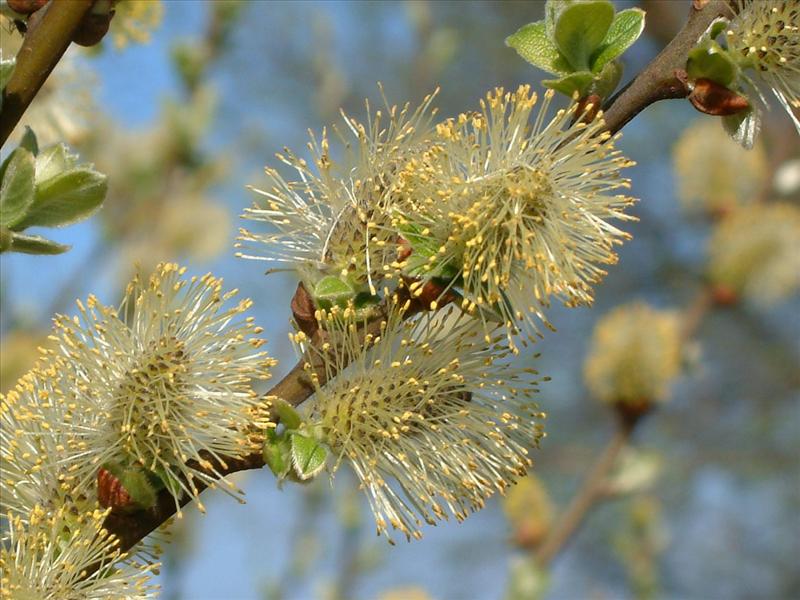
[(590, 491), (658, 81), (44, 45), (655, 83)]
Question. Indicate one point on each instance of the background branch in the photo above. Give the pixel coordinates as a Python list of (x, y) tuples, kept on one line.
[(592, 490), (48, 37)]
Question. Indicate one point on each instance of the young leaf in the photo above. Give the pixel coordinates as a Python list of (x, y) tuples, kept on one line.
[(6, 69), (167, 480), (287, 414), (277, 455), (607, 80), (569, 84), (552, 10), (35, 244), (17, 187), (29, 141), (712, 63), (139, 486), (308, 456), (624, 31), (743, 127), (53, 160), (332, 290), (532, 43), (581, 29), (66, 198)]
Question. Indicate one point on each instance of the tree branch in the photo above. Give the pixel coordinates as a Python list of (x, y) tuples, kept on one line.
[(586, 497), (44, 45), (658, 80)]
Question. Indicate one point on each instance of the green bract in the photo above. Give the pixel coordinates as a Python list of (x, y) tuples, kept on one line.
[(331, 290), (6, 69), (710, 61), (44, 188), (295, 453), (579, 41), (308, 456)]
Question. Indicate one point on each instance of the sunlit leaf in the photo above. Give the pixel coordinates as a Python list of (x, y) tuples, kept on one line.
[(712, 63), (332, 290), (533, 44), (308, 456), (35, 244), (17, 187), (66, 198), (581, 29), (624, 31)]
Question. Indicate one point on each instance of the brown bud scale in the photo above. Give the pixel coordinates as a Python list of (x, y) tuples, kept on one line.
[(110, 491), (711, 98)]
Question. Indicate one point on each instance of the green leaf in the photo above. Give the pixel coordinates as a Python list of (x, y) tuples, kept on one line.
[(552, 10), (139, 486), (608, 79), (17, 187), (277, 454), (287, 414), (569, 84), (712, 63), (331, 290), (421, 242), (581, 29), (35, 244), (308, 456), (716, 28), (6, 69), (29, 141), (53, 160), (66, 198), (626, 28), (532, 43)]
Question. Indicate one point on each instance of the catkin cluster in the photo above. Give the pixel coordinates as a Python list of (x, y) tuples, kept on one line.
[(492, 214), (152, 395)]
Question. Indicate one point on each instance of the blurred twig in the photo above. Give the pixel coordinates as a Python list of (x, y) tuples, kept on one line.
[(586, 497), (47, 39), (592, 490)]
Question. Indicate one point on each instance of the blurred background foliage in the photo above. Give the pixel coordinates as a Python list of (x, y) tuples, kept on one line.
[(186, 101)]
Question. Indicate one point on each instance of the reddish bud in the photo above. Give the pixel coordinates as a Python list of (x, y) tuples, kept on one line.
[(632, 412), (405, 249), (110, 491), (593, 103), (431, 291), (303, 310), (26, 7), (711, 98), (722, 295), (92, 29)]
